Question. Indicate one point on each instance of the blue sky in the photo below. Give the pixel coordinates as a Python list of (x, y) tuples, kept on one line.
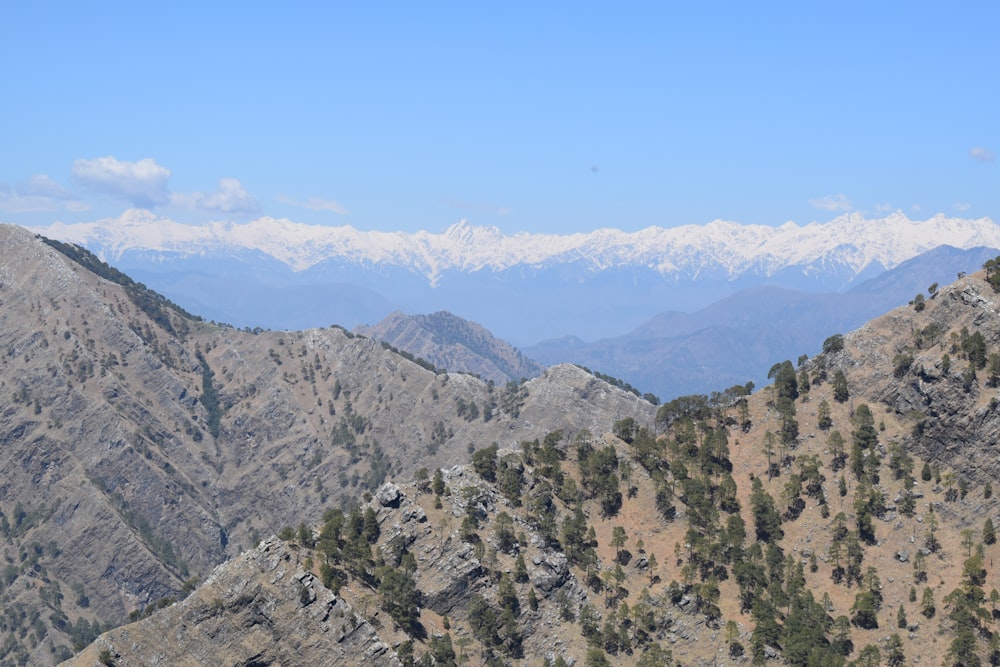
[(547, 117)]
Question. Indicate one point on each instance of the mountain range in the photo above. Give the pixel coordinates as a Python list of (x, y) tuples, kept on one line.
[(849, 243), (671, 310), (842, 515), (739, 337), (147, 456)]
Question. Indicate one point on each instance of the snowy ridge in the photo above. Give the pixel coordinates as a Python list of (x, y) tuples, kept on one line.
[(850, 241)]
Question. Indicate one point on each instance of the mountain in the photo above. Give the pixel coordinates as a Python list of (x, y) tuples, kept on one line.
[(450, 342), (844, 514), (141, 446), (740, 337), (524, 287)]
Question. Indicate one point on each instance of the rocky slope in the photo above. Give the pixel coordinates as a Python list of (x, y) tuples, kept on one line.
[(261, 608), (268, 605), (140, 447), (938, 370), (842, 515), (448, 341)]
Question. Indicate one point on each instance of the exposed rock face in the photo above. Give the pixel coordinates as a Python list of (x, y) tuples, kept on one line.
[(448, 341), (263, 608), (388, 495), (550, 572), (258, 609)]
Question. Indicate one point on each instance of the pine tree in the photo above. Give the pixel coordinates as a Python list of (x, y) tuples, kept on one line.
[(840, 391), (920, 567), (767, 522), (835, 443), (824, 421), (894, 655), (869, 656), (993, 649), (618, 538), (927, 607), (400, 598), (864, 611)]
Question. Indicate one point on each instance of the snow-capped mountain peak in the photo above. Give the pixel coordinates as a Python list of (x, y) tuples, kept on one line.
[(850, 241)]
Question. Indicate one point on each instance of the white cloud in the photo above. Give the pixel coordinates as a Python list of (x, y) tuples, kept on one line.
[(144, 183), (915, 207), (837, 202), (13, 201), (231, 197), (883, 208), (36, 194), (315, 204), (963, 206), (42, 185), (981, 154)]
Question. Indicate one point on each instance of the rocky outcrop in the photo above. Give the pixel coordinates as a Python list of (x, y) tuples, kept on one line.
[(550, 571), (261, 608), (265, 608)]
